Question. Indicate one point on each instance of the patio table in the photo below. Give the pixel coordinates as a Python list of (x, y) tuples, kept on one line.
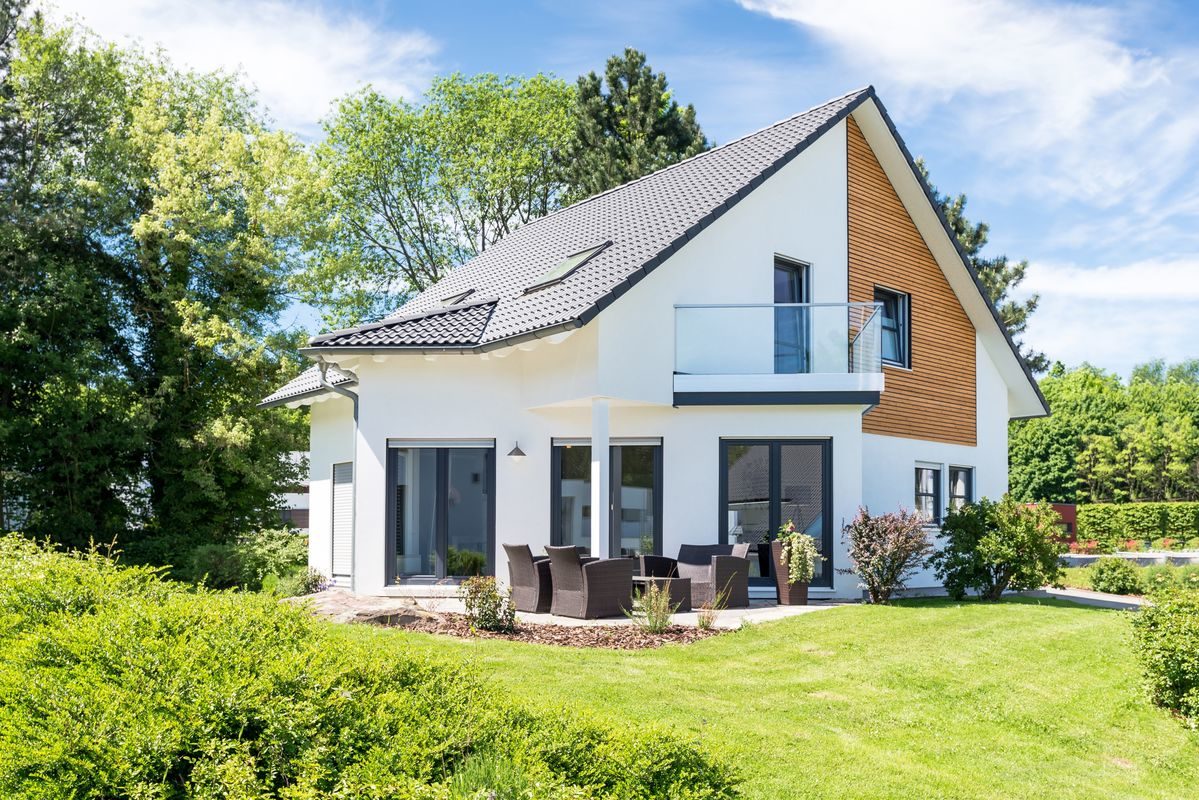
[(679, 589)]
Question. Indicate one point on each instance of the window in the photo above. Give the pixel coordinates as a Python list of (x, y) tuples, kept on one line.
[(636, 497), (928, 494), (764, 484), (791, 322), (961, 486), (455, 299), (896, 326), (566, 266)]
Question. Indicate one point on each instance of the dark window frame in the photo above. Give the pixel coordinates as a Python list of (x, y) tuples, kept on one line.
[(827, 548), (614, 493), (903, 324), (938, 512), (969, 496)]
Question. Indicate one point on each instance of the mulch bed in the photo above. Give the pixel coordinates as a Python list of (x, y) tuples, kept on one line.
[(614, 637)]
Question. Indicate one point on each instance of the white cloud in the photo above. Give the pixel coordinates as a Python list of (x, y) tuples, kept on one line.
[(300, 58), (1045, 92), (1115, 316)]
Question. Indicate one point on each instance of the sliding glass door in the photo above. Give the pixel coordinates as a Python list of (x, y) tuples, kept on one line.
[(765, 483), (441, 510), (636, 496)]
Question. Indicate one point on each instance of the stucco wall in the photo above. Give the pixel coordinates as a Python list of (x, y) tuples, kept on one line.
[(332, 442)]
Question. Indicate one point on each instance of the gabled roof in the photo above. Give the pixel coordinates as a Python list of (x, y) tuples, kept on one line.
[(448, 326), (646, 220), (307, 384)]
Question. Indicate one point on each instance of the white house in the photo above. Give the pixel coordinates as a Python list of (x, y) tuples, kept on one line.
[(781, 328)]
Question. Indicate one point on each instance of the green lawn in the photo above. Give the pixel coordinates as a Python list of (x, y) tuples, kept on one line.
[(924, 699)]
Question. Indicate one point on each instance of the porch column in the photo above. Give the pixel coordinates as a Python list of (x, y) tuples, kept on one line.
[(601, 480)]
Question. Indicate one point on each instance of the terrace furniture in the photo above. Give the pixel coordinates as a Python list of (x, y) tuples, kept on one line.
[(529, 577), (679, 589), (589, 588), (712, 568)]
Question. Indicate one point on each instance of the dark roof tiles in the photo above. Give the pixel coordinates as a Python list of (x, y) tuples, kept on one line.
[(307, 383)]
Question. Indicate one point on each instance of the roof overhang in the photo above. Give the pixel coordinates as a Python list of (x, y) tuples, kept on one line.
[(1025, 399)]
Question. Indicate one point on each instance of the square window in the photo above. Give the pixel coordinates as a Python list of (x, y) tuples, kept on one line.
[(895, 325)]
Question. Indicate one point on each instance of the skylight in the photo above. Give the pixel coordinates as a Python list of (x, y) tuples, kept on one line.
[(566, 266), (455, 299)]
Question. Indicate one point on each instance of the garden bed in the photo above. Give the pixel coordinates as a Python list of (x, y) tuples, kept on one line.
[(611, 637)]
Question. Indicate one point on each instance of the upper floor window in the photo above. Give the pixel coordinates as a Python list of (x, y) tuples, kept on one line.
[(928, 494), (896, 326), (566, 267), (961, 486)]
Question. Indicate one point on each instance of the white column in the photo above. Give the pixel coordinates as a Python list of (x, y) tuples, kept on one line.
[(601, 480)]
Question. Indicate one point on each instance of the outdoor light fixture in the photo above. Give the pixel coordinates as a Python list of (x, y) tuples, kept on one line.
[(516, 454)]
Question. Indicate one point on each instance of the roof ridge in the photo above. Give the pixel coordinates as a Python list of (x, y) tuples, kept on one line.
[(869, 88)]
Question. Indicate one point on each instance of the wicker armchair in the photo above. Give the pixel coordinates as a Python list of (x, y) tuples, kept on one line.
[(589, 588), (711, 567), (529, 578)]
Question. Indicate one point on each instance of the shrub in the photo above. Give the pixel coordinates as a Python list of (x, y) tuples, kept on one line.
[(1166, 639), (247, 562), (1111, 524), (1158, 577), (1132, 545), (1115, 576), (1089, 548), (885, 551), (114, 683), (1188, 577), (307, 581), (991, 547), (652, 609), (1193, 544), (487, 608)]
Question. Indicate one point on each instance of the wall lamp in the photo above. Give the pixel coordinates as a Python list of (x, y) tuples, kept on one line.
[(516, 454)]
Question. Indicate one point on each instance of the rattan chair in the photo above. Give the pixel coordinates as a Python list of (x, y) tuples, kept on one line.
[(712, 568), (529, 578), (588, 589)]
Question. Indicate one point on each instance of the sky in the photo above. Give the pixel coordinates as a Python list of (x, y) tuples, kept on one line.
[(1073, 128)]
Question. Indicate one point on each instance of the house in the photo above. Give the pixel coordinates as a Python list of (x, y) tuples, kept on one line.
[(781, 328)]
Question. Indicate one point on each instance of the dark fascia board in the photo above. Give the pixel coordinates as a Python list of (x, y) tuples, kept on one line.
[(978, 284), (320, 339), (777, 398)]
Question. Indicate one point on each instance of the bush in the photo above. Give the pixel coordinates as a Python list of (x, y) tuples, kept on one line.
[(1166, 639), (885, 551), (991, 547), (247, 562), (487, 608), (307, 581), (1111, 524), (114, 683), (1158, 577), (1115, 576)]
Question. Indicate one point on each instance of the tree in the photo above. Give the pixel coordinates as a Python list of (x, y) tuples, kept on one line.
[(999, 275), (403, 193), (147, 243), (632, 129)]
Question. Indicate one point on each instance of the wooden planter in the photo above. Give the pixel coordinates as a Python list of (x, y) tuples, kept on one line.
[(789, 594)]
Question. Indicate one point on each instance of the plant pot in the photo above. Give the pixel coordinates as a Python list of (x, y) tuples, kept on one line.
[(789, 594)]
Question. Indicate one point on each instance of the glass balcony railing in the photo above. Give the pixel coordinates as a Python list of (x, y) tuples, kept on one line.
[(778, 339)]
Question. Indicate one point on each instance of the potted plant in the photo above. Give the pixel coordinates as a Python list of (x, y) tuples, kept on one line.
[(795, 557)]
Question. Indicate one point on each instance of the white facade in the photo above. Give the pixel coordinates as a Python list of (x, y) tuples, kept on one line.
[(614, 379)]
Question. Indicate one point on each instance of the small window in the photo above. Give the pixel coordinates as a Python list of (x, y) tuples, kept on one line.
[(566, 266), (961, 486), (455, 299), (928, 494), (896, 333)]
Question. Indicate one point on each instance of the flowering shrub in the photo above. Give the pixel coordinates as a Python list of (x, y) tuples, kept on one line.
[(487, 608), (992, 547), (799, 553), (1088, 548), (886, 550)]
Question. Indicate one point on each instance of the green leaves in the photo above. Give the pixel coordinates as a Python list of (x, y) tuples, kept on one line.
[(400, 194)]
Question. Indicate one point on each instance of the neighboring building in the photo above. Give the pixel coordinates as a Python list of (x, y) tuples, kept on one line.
[(779, 328), (295, 502)]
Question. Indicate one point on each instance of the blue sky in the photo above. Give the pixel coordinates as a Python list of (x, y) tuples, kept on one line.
[(1073, 128)]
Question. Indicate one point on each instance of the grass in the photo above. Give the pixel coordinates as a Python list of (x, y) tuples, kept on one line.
[(929, 699)]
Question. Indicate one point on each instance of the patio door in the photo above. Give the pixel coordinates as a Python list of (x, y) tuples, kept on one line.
[(441, 509), (764, 483), (636, 495)]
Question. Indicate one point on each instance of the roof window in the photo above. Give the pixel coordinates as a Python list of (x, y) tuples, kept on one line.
[(455, 299), (563, 269)]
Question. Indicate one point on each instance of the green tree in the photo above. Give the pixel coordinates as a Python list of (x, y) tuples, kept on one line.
[(402, 193), (999, 275), (627, 125)]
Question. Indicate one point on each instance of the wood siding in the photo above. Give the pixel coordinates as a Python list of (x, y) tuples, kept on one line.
[(936, 398)]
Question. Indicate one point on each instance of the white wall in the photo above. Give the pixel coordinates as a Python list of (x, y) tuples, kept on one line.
[(332, 442)]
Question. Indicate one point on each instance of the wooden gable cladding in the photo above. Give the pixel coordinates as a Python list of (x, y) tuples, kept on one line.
[(936, 398)]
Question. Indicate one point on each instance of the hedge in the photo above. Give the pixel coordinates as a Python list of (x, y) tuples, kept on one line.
[(1111, 524)]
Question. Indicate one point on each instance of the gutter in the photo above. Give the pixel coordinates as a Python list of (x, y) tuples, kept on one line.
[(323, 366)]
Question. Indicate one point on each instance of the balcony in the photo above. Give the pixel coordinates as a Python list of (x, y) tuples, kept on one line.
[(784, 353)]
